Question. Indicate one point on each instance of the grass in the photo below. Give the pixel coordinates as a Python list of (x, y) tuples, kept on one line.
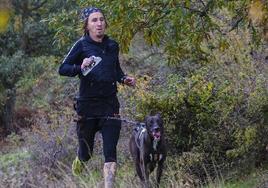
[(13, 159), (172, 177), (14, 167), (251, 180), (61, 176), (18, 167), (247, 183)]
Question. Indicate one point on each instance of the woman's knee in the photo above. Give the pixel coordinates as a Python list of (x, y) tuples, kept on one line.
[(110, 156), (84, 154)]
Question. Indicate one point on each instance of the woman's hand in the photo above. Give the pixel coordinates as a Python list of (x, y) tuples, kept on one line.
[(87, 62), (130, 81)]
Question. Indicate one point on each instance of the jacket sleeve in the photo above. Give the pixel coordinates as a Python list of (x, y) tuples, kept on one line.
[(71, 65), (120, 75)]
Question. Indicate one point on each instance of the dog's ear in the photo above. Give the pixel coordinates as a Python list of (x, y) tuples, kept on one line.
[(146, 119), (158, 115)]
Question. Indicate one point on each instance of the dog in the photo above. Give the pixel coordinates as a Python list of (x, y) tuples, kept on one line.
[(148, 149)]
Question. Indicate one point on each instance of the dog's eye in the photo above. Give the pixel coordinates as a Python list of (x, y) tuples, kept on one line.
[(159, 121)]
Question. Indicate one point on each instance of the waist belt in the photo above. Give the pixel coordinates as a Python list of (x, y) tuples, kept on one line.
[(83, 98)]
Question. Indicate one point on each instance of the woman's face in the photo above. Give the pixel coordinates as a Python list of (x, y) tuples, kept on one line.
[(96, 25)]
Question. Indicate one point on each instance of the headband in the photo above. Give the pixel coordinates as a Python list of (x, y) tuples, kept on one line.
[(87, 11)]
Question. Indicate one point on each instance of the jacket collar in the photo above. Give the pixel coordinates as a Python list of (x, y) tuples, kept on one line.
[(89, 39)]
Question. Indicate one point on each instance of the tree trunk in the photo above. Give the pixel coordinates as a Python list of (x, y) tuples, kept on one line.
[(8, 110), (24, 35)]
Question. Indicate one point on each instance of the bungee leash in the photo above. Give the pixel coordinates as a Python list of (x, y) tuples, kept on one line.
[(136, 123)]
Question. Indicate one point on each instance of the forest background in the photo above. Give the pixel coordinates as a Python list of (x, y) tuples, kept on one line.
[(201, 63)]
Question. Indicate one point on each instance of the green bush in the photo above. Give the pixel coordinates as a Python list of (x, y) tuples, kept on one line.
[(216, 111)]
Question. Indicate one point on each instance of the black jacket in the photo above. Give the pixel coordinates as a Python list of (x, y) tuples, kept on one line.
[(101, 81)]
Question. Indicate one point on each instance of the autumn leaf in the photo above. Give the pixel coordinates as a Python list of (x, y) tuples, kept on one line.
[(4, 18), (256, 11)]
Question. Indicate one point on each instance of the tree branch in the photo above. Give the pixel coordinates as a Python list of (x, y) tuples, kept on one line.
[(38, 5), (202, 3), (235, 25)]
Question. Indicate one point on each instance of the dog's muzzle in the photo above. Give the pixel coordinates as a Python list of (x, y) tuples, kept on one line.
[(156, 135)]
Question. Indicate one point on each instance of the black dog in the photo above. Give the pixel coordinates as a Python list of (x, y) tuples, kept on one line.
[(148, 149)]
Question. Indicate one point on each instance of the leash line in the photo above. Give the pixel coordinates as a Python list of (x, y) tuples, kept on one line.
[(136, 123)]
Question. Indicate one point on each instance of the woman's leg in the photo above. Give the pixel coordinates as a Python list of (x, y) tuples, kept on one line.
[(86, 130), (110, 134)]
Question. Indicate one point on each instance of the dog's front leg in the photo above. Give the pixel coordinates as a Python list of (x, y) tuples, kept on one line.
[(139, 170), (160, 167), (146, 174)]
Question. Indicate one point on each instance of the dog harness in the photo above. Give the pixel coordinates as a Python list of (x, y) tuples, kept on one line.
[(139, 140), (156, 157)]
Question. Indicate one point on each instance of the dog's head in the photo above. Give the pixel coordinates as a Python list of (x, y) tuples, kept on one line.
[(154, 126)]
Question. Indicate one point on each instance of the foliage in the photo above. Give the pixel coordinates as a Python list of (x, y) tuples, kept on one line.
[(25, 32), (26, 37), (64, 23), (37, 86), (13, 159), (216, 111), (12, 68), (178, 27), (205, 71)]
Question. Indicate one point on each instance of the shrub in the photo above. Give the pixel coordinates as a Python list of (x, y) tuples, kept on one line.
[(216, 111)]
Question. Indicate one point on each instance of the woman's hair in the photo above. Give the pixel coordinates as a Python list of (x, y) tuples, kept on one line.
[(86, 32)]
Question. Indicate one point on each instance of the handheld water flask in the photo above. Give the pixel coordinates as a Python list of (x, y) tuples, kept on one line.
[(96, 61)]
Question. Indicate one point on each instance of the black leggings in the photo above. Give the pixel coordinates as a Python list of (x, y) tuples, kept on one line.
[(86, 130)]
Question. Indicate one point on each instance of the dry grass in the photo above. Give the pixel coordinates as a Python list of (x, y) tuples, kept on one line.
[(44, 159), (47, 158), (25, 171)]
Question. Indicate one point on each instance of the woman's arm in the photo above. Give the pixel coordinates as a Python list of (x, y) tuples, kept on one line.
[(71, 65), (121, 77)]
